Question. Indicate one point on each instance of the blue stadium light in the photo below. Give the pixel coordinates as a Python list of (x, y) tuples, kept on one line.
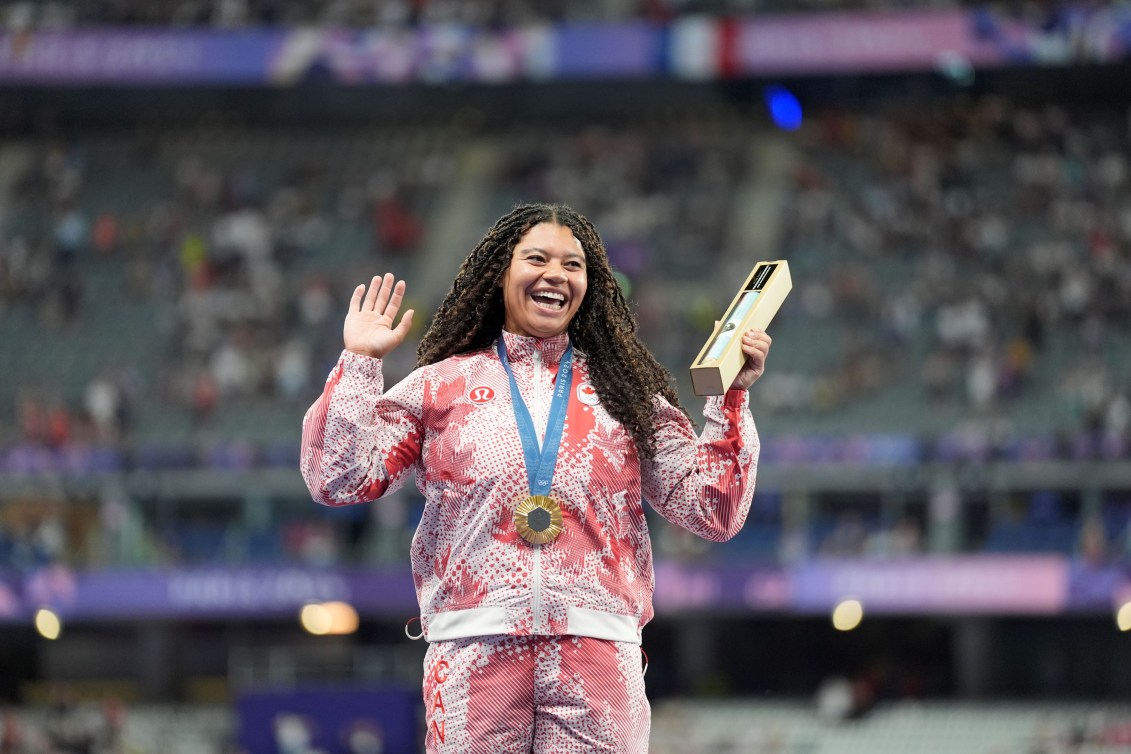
[(784, 107)]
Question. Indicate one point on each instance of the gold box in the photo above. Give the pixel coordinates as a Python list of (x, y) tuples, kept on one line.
[(755, 305)]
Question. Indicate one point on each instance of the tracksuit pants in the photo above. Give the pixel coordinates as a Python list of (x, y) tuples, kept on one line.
[(540, 694)]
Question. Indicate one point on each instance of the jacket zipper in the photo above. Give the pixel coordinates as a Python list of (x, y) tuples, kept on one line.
[(536, 581), (536, 590)]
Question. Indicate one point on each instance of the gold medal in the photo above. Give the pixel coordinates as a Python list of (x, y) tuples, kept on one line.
[(538, 519)]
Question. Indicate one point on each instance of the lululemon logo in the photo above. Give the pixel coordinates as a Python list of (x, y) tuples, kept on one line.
[(587, 394), (481, 395)]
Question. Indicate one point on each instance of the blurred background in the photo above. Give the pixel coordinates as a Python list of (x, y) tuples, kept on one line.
[(938, 558)]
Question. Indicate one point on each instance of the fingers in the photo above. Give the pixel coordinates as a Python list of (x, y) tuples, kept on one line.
[(404, 325), (756, 345), (754, 336), (355, 302), (387, 286), (395, 299), (384, 296), (371, 297)]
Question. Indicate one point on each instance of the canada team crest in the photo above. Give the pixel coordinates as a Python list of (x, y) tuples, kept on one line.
[(481, 394), (587, 394)]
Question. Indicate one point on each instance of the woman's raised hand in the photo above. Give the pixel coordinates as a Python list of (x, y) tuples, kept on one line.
[(755, 346), (369, 328)]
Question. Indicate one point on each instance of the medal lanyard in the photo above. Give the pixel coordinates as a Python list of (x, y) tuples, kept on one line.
[(540, 464)]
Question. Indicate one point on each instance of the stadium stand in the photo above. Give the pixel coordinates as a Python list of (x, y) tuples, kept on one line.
[(946, 424), (197, 269)]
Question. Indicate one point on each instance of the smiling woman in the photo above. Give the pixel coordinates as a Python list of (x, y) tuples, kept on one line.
[(545, 282), (537, 424)]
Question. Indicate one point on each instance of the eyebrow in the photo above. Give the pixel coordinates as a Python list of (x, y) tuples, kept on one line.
[(540, 250)]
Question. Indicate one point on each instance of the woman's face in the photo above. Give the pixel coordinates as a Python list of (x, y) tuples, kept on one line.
[(545, 283)]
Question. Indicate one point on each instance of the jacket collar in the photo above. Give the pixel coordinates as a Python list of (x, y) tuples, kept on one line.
[(520, 347)]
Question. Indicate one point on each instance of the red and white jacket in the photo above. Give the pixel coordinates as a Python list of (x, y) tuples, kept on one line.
[(453, 424)]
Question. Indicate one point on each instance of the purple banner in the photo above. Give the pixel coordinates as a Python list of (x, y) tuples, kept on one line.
[(1097, 586), (209, 592), (859, 42), (986, 584), (449, 53), (430, 55), (733, 588), (621, 51), (1122, 595), (136, 57), (336, 720), (695, 47), (960, 585), (11, 601), (926, 40)]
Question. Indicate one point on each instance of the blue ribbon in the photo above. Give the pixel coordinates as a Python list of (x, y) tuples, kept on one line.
[(540, 463)]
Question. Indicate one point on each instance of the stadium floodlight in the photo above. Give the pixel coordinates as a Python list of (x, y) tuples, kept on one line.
[(48, 624), (315, 619), (847, 614), (343, 618), (1123, 617), (329, 618), (784, 107)]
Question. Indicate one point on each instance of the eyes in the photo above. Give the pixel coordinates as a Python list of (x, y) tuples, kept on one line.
[(573, 264)]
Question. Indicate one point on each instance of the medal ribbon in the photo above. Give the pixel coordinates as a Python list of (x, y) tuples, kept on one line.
[(540, 463)]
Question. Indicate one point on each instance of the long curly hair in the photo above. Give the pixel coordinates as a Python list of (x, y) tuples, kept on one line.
[(623, 371)]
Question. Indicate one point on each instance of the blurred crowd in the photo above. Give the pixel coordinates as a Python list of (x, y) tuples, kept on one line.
[(845, 714), (101, 723), (67, 727), (228, 265), (663, 197), (962, 270), (84, 533), (979, 251)]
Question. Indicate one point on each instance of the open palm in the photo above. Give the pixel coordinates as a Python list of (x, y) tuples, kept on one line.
[(369, 328)]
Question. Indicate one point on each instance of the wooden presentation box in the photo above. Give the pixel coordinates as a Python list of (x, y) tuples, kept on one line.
[(755, 305)]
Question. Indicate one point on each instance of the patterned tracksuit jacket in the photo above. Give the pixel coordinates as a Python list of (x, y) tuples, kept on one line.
[(453, 424)]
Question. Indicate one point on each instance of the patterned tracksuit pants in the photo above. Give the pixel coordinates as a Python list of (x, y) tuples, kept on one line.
[(540, 694)]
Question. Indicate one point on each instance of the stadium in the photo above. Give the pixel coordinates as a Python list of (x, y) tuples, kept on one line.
[(938, 556)]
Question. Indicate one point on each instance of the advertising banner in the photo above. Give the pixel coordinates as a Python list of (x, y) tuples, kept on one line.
[(950, 585), (691, 47), (976, 584), (127, 56)]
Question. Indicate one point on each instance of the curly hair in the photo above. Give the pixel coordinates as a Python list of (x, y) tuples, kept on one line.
[(623, 371)]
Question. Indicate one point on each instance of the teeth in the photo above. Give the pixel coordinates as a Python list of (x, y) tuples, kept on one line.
[(547, 298)]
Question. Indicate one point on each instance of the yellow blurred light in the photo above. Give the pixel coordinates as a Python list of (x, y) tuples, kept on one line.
[(329, 618), (316, 619), (847, 615), (1123, 617), (343, 617), (47, 623)]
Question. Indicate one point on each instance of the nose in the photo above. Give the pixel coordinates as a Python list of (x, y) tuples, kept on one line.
[(555, 273)]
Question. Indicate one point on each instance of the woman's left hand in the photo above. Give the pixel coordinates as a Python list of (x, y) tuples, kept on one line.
[(756, 346)]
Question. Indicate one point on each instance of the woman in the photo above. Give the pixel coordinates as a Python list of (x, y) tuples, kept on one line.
[(537, 424)]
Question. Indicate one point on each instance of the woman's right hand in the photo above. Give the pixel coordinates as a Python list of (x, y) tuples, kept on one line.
[(369, 328)]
